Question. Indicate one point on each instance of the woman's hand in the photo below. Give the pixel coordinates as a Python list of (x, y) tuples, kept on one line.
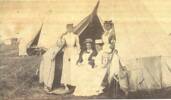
[(79, 64), (96, 66), (116, 77)]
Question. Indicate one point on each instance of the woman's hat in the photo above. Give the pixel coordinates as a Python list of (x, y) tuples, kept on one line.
[(108, 22), (88, 40), (70, 25), (99, 41)]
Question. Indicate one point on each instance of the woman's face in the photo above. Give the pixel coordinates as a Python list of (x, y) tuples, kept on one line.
[(88, 46), (70, 29), (98, 47), (107, 26)]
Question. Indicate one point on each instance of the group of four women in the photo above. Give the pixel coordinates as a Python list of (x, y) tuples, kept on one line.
[(85, 69)]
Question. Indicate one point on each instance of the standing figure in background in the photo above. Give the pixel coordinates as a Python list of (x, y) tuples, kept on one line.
[(109, 40), (71, 52), (116, 73), (109, 35)]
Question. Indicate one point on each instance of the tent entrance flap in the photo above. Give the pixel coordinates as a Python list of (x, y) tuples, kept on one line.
[(32, 48), (94, 30), (35, 40), (90, 27)]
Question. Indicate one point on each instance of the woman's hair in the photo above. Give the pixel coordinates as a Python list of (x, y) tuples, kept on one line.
[(92, 46)]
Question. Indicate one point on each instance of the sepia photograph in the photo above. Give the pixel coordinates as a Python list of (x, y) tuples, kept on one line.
[(85, 49)]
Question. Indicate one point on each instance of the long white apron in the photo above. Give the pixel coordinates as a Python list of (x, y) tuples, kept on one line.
[(69, 59), (47, 67)]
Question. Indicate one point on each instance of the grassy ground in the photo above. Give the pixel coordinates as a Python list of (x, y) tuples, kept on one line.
[(18, 77), (19, 81)]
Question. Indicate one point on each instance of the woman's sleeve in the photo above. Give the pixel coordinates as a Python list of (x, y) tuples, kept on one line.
[(80, 59), (78, 44), (62, 40), (62, 36), (112, 38)]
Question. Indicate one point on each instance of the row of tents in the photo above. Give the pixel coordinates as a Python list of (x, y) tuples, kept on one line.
[(143, 46), (89, 27), (134, 25)]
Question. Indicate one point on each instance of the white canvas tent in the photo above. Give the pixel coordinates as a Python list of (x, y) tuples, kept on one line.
[(134, 23), (26, 36), (149, 73), (139, 30)]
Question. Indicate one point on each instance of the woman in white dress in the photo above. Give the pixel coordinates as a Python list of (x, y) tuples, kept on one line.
[(71, 52), (84, 80), (47, 66), (114, 68), (108, 37)]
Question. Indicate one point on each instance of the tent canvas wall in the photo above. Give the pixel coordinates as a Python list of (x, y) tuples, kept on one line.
[(32, 48), (35, 40), (149, 73), (26, 36)]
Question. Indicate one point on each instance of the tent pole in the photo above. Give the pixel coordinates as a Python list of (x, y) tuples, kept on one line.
[(161, 81)]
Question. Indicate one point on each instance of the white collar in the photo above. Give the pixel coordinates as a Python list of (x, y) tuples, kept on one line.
[(89, 51), (109, 30), (70, 33)]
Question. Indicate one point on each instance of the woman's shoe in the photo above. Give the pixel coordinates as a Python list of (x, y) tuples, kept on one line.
[(47, 89)]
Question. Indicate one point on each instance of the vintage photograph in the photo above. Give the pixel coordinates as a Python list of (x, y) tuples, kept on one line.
[(85, 49)]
